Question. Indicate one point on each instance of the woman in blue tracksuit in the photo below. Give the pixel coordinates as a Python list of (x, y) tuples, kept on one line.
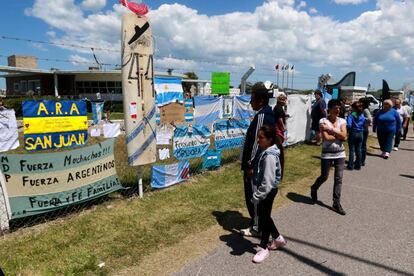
[(355, 124), (266, 177), (387, 122)]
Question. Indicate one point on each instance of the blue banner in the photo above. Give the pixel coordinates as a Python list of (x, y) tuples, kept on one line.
[(191, 143), (230, 133), (208, 109), (242, 108), (54, 124), (212, 160), (168, 175)]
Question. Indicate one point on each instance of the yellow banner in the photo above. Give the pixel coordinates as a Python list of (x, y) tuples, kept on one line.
[(55, 124)]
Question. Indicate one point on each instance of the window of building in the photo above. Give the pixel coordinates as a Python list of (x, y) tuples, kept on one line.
[(33, 85), (103, 87), (23, 86), (16, 86)]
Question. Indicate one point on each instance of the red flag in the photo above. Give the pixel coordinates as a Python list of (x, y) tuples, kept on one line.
[(138, 9), (277, 67)]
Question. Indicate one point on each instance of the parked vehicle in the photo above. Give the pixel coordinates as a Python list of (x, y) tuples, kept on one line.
[(374, 104)]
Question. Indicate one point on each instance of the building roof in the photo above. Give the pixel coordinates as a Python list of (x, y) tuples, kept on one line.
[(18, 72)]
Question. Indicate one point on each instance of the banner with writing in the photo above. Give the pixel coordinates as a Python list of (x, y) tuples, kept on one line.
[(9, 136), (230, 133), (168, 175), (39, 183), (191, 143), (51, 124)]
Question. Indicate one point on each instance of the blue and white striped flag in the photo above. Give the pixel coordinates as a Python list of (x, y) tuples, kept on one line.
[(230, 133), (97, 109), (166, 176), (189, 110), (242, 108), (208, 109), (169, 90), (192, 144)]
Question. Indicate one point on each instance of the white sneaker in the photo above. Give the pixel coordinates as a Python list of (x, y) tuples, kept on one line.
[(261, 255), (250, 232), (395, 148)]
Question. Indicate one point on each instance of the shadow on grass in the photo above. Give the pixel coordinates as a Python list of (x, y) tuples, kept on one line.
[(232, 221), (316, 157), (306, 200), (407, 176)]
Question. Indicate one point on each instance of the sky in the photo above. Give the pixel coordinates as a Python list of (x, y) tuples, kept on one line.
[(373, 38)]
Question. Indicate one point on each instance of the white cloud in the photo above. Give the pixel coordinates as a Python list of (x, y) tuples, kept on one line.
[(93, 5), (274, 31), (352, 2), (79, 60), (301, 5), (313, 11)]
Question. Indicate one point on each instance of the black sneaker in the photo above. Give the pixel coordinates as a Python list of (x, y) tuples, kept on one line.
[(314, 196), (338, 208)]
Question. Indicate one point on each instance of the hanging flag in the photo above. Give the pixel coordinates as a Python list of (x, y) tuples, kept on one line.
[(208, 109), (169, 90), (287, 67), (97, 109), (191, 143), (230, 133), (277, 67), (166, 176), (242, 108), (189, 110), (212, 160), (293, 67)]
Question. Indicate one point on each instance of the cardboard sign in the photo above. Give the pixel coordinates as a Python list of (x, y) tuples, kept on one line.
[(172, 113), (54, 124), (220, 83), (39, 183)]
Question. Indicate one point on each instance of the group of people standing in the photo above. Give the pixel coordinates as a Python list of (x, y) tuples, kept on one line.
[(263, 154)]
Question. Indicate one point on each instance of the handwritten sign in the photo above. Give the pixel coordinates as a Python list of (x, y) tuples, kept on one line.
[(39, 183), (230, 133), (50, 124), (191, 143)]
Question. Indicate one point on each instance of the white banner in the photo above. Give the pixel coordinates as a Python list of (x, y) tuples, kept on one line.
[(9, 136), (298, 123)]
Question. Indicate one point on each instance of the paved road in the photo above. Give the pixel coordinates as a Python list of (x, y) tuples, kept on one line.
[(375, 237)]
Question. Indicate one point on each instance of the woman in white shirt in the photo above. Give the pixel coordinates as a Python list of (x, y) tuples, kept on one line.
[(333, 130)]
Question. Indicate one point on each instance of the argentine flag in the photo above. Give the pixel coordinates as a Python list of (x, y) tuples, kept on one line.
[(208, 109), (168, 175), (168, 90), (230, 133), (242, 108)]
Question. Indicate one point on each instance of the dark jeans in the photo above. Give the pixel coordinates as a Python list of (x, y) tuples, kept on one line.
[(385, 140), (397, 139), (339, 172), (364, 146), (248, 194), (406, 131), (266, 224), (355, 145)]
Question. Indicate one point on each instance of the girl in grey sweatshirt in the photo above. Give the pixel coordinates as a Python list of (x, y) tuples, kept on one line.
[(266, 177)]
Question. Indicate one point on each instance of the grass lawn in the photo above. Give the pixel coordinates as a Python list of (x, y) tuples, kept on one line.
[(122, 231)]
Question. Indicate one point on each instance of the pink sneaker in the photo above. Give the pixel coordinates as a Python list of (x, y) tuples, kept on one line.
[(277, 243), (261, 255)]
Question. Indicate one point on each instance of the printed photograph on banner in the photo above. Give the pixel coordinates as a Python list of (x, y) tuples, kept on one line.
[(9, 136), (230, 133), (40, 183), (227, 108), (191, 144), (168, 175), (54, 124)]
